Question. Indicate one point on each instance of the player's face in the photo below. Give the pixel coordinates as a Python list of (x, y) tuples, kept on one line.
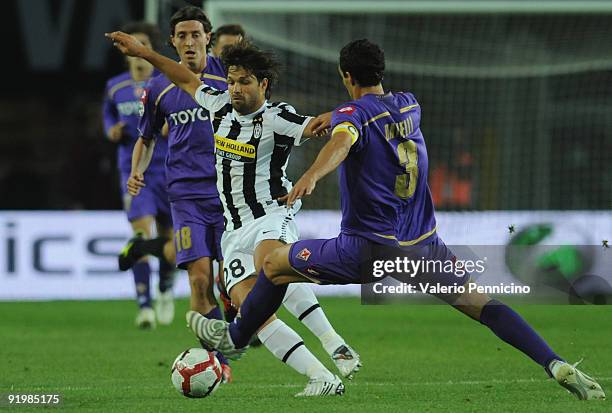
[(136, 62), (247, 93), (346, 81), (225, 40), (190, 42)]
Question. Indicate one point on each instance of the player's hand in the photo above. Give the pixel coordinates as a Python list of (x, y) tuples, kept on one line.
[(115, 133), (321, 124), (127, 44), (135, 183), (304, 186)]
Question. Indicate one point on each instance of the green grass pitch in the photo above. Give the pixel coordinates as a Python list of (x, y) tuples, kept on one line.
[(416, 358)]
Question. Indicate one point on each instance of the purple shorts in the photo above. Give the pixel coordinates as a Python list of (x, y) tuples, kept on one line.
[(198, 227), (348, 259), (151, 201)]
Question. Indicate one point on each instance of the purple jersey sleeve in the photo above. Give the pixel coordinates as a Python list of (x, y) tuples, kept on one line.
[(110, 116), (151, 121), (350, 113)]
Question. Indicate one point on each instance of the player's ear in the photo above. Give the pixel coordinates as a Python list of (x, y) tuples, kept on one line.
[(208, 37), (349, 77)]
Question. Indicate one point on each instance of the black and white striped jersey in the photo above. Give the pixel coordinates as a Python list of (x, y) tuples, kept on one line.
[(252, 152)]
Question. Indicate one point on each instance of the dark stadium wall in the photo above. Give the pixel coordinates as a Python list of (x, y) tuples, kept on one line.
[(52, 151)]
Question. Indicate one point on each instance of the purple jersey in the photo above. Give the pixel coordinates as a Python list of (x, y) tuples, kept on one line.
[(383, 180), (190, 165), (122, 104)]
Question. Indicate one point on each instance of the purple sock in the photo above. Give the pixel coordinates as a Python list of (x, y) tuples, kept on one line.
[(514, 330), (262, 302), (142, 280), (215, 313)]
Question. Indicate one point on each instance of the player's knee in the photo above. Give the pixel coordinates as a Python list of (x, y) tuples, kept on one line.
[(169, 252), (270, 267), (200, 277), (275, 265)]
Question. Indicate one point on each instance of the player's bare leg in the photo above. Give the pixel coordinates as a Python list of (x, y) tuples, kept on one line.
[(200, 274), (164, 304), (511, 328), (303, 304), (229, 309), (145, 318)]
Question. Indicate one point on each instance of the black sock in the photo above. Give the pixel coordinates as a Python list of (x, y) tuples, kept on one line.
[(153, 247), (166, 275)]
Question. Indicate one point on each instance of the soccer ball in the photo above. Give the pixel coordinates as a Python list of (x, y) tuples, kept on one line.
[(196, 373)]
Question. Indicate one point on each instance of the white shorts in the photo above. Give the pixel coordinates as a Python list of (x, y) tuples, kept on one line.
[(238, 246)]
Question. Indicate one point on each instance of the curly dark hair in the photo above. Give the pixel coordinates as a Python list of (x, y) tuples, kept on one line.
[(261, 64), (364, 60), (151, 30)]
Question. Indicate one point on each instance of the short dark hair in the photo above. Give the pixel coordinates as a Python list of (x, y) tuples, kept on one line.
[(364, 60), (190, 13), (231, 29), (261, 64), (151, 30)]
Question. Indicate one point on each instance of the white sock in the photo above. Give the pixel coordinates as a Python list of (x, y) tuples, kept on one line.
[(301, 302), (287, 346)]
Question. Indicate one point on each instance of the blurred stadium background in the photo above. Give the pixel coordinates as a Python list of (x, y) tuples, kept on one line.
[(516, 99)]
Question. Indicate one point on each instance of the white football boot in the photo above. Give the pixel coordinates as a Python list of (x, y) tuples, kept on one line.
[(347, 361), (214, 334), (322, 387), (575, 381), (145, 318), (164, 308)]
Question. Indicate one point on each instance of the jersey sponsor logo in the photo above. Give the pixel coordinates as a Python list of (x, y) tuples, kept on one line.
[(347, 109), (304, 254), (186, 116), (129, 108), (234, 150)]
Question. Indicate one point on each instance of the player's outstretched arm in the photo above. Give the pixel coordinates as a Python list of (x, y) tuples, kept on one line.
[(330, 156), (318, 126), (178, 74)]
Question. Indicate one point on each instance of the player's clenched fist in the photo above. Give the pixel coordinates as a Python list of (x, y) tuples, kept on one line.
[(127, 44), (115, 133), (135, 183)]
